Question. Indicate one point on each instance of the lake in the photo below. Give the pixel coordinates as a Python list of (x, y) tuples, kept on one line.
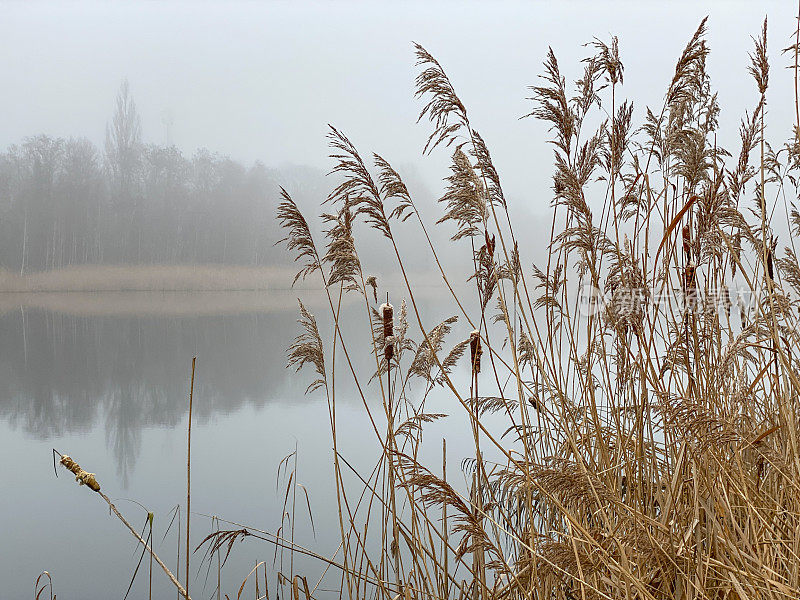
[(105, 379)]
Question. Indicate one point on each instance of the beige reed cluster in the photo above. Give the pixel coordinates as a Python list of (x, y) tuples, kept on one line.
[(640, 451), (644, 451)]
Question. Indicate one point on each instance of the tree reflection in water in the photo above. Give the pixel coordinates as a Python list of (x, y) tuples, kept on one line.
[(63, 374)]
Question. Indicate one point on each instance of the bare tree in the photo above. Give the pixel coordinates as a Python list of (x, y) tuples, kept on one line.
[(123, 161), (123, 140)]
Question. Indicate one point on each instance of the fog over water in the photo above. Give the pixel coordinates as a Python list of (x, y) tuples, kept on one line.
[(261, 81), (149, 134)]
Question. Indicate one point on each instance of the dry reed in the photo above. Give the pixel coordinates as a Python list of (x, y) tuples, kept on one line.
[(648, 440), (654, 452)]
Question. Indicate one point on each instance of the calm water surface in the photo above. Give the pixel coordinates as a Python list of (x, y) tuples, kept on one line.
[(110, 388)]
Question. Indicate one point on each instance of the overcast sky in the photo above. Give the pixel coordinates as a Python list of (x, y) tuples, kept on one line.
[(260, 81)]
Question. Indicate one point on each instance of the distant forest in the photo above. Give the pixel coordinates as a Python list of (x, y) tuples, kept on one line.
[(66, 202)]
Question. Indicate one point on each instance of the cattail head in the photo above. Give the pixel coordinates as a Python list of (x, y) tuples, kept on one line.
[(387, 314), (81, 476), (690, 282), (687, 243), (475, 350), (690, 275)]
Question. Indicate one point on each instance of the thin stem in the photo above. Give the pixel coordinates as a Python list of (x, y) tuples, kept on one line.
[(189, 476)]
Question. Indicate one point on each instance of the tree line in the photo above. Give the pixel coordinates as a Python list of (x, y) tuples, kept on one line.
[(66, 202)]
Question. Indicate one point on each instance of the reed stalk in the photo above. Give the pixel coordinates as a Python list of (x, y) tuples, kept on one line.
[(90, 481), (189, 475)]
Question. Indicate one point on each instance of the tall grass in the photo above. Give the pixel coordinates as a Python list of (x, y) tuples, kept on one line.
[(643, 378), (650, 439)]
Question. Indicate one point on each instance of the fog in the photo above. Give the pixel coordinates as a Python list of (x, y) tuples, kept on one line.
[(234, 99), (142, 155)]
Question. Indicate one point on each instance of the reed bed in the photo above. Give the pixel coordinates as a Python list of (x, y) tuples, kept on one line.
[(646, 373), (632, 399)]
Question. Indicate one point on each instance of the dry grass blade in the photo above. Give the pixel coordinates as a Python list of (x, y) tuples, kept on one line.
[(222, 540)]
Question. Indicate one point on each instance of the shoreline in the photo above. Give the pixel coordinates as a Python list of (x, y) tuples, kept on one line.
[(175, 290), (148, 278)]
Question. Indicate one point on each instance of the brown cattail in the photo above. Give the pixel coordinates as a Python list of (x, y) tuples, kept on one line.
[(81, 476), (387, 314), (690, 276), (687, 243), (475, 350)]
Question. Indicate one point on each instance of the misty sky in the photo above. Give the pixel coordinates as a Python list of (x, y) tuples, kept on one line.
[(260, 81)]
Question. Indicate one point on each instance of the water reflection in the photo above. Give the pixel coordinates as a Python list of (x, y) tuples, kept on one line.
[(84, 371), (65, 373)]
